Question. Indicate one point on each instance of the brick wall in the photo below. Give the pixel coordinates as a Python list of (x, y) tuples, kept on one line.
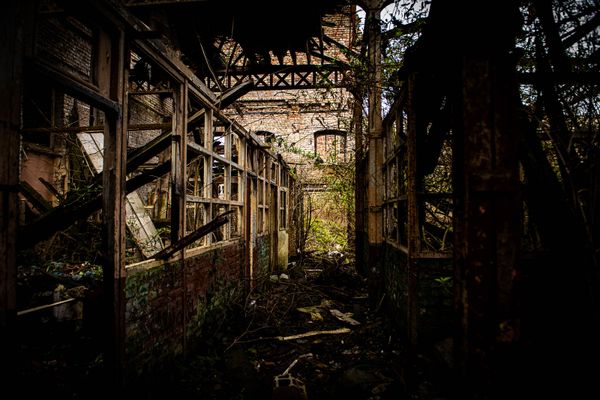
[(295, 115), (66, 42), (434, 299), (168, 306)]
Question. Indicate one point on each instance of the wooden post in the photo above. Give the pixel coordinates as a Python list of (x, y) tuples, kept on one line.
[(488, 204), (178, 165), (359, 188), (112, 79), (414, 227), (208, 162), (11, 81), (375, 153)]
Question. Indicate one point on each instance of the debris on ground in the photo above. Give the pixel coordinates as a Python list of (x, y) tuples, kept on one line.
[(310, 332)]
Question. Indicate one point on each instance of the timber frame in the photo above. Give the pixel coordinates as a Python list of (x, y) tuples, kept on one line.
[(211, 167)]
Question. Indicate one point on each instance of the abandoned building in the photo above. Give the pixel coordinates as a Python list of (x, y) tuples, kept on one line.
[(164, 164)]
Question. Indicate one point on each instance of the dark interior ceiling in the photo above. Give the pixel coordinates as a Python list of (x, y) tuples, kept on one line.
[(257, 26)]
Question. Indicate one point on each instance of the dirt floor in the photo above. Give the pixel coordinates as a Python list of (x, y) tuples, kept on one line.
[(311, 333)]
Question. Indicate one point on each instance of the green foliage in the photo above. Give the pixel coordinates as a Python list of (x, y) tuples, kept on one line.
[(444, 284), (327, 235)]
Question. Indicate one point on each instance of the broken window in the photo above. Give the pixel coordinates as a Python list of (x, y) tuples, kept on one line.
[(330, 146)]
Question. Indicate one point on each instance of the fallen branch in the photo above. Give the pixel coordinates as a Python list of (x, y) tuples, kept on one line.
[(345, 317), (45, 306), (313, 333)]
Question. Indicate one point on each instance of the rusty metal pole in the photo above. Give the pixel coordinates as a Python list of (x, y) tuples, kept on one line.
[(375, 188), (359, 185), (487, 192)]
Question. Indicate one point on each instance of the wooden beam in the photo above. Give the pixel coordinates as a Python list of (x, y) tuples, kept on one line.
[(178, 164), (11, 79), (487, 203), (204, 230), (112, 81), (414, 130), (63, 216), (78, 88), (160, 3), (97, 128), (375, 134), (33, 196)]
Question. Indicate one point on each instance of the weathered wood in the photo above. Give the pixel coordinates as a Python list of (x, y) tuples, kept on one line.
[(338, 331), (374, 177), (192, 237), (228, 97), (63, 216), (414, 129), (160, 143), (359, 185), (44, 307), (11, 80), (52, 189), (112, 82), (33, 196), (66, 214), (78, 88), (139, 223), (97, 128), (375, 131), (487, 197), (178, 165)]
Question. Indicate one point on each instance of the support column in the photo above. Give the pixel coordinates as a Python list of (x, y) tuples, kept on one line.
[(178, 165), (487, 203), (414, 129), (360, 180), (112, 81), (375, 188), (11, 80)]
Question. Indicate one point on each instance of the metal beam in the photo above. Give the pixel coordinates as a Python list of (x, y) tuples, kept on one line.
[(277, 77)]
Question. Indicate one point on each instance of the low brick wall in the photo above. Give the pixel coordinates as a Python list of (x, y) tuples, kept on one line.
[(167, 304), (434, 293)]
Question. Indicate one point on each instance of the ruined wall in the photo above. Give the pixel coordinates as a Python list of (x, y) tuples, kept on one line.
[(168, 306), (288, 119), (434, 294), (294, 115), (66, 44)]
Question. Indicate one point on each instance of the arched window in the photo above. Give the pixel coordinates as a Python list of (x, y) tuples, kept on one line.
[(330, 145), (268, 137)]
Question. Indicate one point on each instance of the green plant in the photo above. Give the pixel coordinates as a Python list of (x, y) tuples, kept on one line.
[(444, 283)]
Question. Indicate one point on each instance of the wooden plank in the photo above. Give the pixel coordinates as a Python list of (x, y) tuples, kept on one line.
[(96, 128), (204, 230), (138, 221), (36, 199), (76, 87), (11, 79)]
